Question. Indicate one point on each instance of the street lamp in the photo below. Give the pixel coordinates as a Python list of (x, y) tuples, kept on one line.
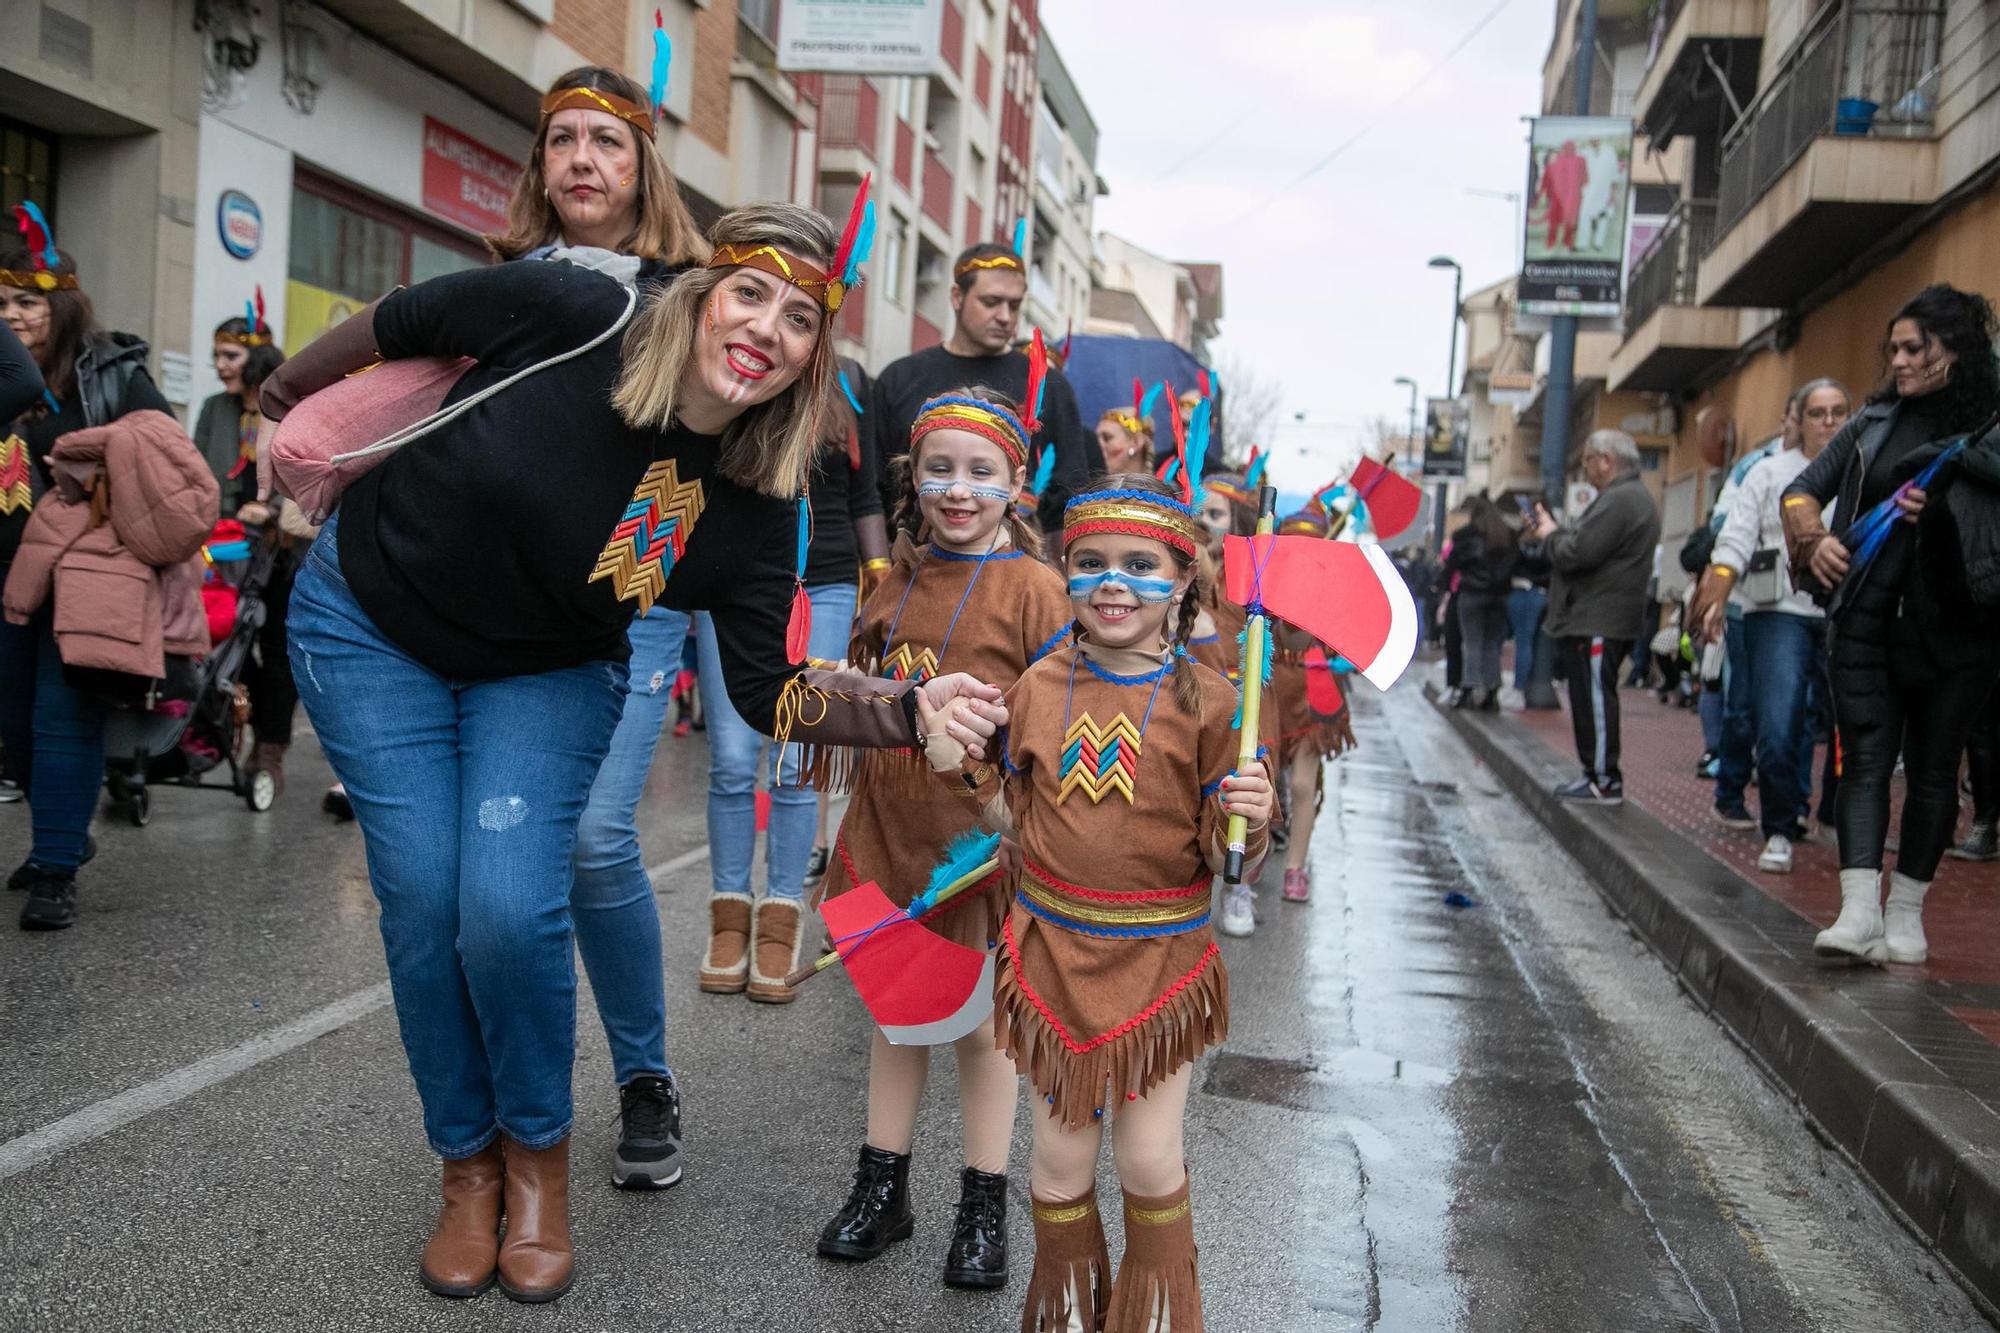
[(1415, 446), (1451, 373)]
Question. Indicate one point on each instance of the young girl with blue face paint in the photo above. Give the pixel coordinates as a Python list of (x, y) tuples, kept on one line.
[(969, 594)]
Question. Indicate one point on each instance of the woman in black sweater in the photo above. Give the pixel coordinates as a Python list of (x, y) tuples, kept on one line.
[(1913, 656), (458, 636)]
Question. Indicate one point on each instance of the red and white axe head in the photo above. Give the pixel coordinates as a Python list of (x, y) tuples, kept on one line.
[(920, 988), (1347, 596), (1392, 499)]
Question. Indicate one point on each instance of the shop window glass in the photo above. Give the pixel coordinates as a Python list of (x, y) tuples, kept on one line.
[(27, 158), (428, 259)]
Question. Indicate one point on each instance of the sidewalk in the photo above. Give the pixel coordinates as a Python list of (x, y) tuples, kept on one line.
[(1899, 1067)]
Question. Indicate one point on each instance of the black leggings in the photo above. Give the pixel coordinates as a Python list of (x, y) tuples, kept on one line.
[(1982, 761), (1904, 702), (267, 673)]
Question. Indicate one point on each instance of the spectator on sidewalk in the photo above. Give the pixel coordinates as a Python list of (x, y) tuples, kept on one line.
[(1482, 556), (1915, 652), (1729, 748), (1527, 605), (1602, 562), (1982, 769), (1783, 630)]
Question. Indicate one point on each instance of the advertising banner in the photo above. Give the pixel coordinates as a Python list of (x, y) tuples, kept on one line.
[(466, 181), (1579, 185), (859, 36), (1447, 435)]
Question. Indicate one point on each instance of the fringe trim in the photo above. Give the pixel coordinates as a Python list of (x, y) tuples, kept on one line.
[(1070, 1256), (1158, 1285), (1132, 1058), (903, 774)]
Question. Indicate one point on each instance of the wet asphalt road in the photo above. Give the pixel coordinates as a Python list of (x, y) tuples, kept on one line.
[(1429, 1117)]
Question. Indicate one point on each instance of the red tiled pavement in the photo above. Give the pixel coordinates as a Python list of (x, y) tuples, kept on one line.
[(1660, 745)]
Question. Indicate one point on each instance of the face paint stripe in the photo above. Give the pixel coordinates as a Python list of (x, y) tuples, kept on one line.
[(1146, 588)]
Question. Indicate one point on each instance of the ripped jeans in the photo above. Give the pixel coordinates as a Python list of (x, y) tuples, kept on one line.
[(468, 796)]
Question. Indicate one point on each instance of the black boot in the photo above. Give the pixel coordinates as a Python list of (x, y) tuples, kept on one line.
[(877, 1211), (978, 1256), (51, 901)]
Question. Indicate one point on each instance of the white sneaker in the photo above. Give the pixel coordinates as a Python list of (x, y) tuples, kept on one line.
[(1777, 855), (1239, 910)]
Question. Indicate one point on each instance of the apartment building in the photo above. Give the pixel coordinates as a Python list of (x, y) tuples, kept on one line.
[(1841, 155), (951, 155), (192, 151), (1144, 295), (1065, 200)]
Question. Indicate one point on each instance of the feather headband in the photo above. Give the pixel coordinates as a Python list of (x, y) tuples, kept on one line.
[(1133, 513), (978, 416), (43, 259), (830, 285)]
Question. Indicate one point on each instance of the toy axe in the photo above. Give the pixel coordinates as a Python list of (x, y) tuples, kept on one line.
[(1392, 500), (1349, 597)]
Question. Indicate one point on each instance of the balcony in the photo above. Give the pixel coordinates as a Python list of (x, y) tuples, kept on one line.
[(1704, 65), (850, 122), (937, 191), (1669, 340), (1832, 155)]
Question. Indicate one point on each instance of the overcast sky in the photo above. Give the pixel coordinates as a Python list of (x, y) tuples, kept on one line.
[(1325, 284)]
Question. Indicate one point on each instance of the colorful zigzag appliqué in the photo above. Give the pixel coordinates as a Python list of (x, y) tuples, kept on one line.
[(651, 536), (16, 492), (906, 663), (1097, 760)]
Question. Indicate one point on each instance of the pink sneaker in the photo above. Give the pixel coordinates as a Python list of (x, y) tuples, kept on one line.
[(1298, 887)]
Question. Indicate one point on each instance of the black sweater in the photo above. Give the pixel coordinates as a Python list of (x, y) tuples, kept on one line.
[(473, 547), (903, 387), (843, 493)]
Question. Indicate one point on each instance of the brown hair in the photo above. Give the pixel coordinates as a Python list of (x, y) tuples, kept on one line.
[(1187, 673), (770, 446), (665, 230), (72, 318), (909, 517)]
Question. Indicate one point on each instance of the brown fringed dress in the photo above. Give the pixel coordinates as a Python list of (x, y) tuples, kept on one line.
[(937, 612), (1312, 706), (1108, 973)]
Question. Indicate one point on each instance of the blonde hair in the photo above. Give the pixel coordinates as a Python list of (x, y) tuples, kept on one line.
[(770, 446), (664, 230)]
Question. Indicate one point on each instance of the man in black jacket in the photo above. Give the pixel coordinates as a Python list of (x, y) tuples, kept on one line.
[(988, 287), (1602, 563)]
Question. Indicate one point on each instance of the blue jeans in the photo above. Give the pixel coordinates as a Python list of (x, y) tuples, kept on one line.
[(1525, 609), (736, 753), (54, 739), (1782, 650), (1482, 630), (468, 794), (617, 918), (1739, 719)]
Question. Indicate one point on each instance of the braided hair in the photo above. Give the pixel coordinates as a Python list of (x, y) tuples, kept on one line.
[(909, 516)]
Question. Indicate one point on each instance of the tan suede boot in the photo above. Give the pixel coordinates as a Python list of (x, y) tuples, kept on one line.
[(725, 968), (464, 1248), (775, 949), (536, 1259)]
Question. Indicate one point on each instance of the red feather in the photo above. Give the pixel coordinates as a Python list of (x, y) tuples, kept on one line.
[(1138, 396), (38, 240), (852, 232), (1206, 392), (658, 21), (798, 629), (261, 324), (1174, 415), (1038, 373)]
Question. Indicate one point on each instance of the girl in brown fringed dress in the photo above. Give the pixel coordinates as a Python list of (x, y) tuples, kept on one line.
[(975, 598), (1116, 784)]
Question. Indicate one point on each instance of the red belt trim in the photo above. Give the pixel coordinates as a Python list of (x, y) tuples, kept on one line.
[(1100, 895), (1137, 1020)]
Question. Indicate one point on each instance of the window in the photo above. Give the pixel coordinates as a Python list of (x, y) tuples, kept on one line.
[(761, 17), (27, 169), (906, 100), (347, 249), (892, 257)]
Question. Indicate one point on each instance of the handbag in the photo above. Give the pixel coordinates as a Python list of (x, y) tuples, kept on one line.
[(1763, 582), (392, 403)]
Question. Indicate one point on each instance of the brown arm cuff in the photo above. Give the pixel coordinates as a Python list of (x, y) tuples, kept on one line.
[(828, 707), (339, 352), (1804, 530), (979, 781)]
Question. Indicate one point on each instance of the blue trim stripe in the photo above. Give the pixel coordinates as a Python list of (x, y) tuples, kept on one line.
[(1011, 553), (1049, 645), (1110, 932), (1113, 678)]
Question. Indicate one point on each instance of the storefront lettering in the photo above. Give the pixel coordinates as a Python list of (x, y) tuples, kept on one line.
[(464, 180)]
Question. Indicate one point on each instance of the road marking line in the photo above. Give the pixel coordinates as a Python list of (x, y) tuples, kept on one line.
[(114, 1113)]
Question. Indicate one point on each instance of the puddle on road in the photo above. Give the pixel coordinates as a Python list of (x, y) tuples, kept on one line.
[(1316, 1086)]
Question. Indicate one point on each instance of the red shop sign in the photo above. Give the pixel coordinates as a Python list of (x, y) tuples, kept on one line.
[(464, 180)]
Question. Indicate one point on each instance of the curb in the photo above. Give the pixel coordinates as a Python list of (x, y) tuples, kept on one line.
[(1929, 1148)]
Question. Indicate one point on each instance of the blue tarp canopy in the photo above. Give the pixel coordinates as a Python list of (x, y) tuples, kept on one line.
[(1101, 369)]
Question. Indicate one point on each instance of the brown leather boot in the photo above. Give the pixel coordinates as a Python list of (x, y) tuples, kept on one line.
[(464, 1247), (536, 1259), (725, 968), (775, 949)]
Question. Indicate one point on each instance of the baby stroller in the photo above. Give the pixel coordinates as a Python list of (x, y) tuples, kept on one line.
[(192, 723)]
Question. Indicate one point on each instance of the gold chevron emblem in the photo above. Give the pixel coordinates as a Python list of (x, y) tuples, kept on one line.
[(906, 663), (1099, 760), (651, 535)]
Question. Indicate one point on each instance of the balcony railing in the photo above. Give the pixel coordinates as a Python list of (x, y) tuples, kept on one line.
[(850, 113), (937, 191), (1863, 69), (1666, 272)]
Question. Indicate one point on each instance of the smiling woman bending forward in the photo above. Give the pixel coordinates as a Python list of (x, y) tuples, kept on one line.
[(458, 635)]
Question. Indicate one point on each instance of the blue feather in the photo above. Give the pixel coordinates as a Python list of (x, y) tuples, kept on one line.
[(663, 57), (1255, 476), (49, 255), (1045, 470), (1021, 237), (250, 315), (864, 244), (805, 534), (1197, 445), (1173, 470), (967, 852), (1152, 399), (848, 390)]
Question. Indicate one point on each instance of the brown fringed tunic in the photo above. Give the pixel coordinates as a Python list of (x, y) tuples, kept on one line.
[(935, 613), (1312, 717), (1108, 973)]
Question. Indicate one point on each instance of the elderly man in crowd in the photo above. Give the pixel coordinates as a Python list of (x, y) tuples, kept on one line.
[(1601, 563)]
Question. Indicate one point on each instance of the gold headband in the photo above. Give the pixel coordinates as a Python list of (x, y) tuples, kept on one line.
[(244, 339), (589, 99), (990, 262), (1136, 514), (985, 420), (1131, 423), (37, 280), (808, 278)]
